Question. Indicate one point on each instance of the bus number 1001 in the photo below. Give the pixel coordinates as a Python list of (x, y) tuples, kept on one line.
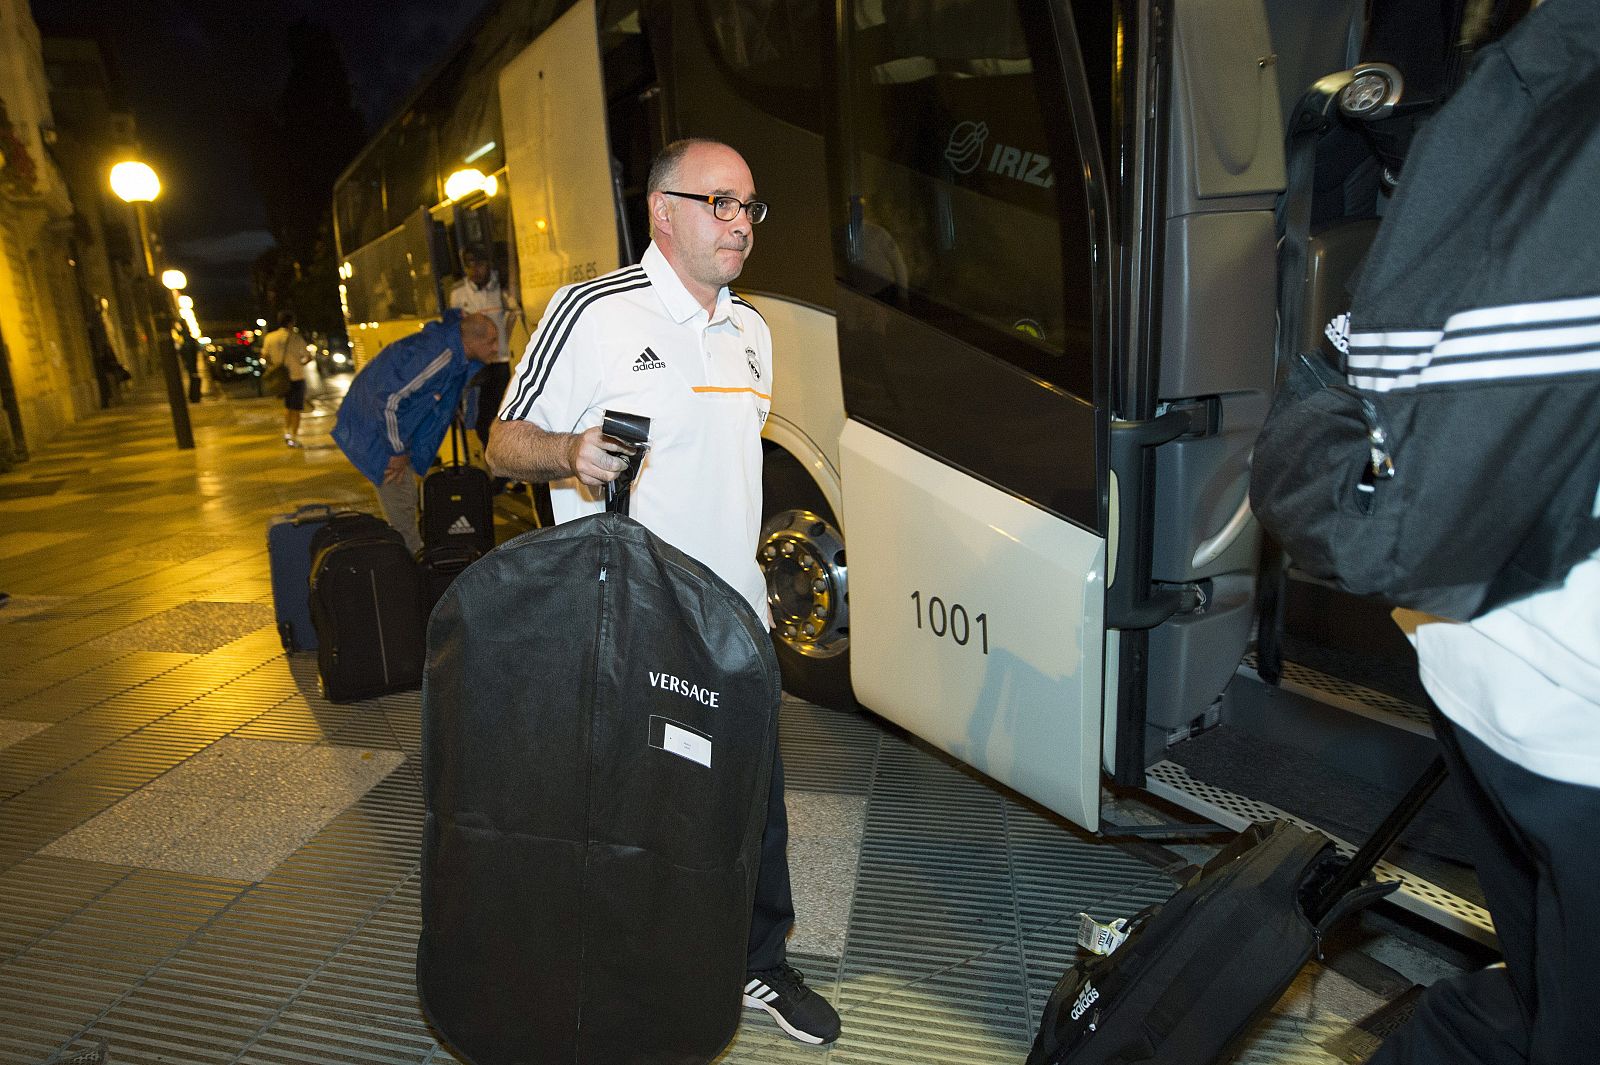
[(952, 621)]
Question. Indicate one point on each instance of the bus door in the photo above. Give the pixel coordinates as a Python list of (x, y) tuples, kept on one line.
[(969, 257), (558, 159)]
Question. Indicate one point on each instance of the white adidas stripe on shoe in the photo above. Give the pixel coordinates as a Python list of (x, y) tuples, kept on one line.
[(759, 995)]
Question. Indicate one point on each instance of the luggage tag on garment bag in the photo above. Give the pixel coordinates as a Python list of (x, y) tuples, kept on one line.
[(630, 429), (1099, 938)]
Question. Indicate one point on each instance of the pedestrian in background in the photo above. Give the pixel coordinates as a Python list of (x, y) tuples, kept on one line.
[(189, 359), (284, 347), (480, 292), (399, 407)]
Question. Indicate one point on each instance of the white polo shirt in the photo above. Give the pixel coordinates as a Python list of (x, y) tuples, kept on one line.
[(636, 341), (1525, 677), (489, 300)]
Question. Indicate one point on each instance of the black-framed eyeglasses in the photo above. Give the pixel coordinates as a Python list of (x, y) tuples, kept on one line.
[(726, 208)]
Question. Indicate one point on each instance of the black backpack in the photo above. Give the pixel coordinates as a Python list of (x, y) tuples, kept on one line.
[(1450, 464)]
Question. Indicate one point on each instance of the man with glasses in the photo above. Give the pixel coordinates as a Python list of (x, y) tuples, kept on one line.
[(666, 339)]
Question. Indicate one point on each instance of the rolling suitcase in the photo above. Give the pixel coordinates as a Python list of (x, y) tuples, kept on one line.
[(289, 559), (1181, 983), (458, 501), (366, 605)]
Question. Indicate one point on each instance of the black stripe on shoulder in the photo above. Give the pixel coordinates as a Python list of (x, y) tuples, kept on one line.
[(531, 379), (741, 301)]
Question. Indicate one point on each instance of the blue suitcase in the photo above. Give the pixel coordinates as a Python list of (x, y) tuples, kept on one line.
[(289, 557)]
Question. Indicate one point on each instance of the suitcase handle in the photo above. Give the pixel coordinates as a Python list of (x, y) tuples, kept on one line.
[(1382, 838), (457, 446), (320, 511), (630, 429)]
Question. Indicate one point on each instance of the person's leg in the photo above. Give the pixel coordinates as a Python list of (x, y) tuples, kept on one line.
[(398, 501), (771, 983), (294, 401), (773, 915), (1542, 881), (491, 382), (1554, 971)]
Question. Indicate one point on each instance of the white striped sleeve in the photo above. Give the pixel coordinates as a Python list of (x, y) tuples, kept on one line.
[(391, 408), (1520, 341)]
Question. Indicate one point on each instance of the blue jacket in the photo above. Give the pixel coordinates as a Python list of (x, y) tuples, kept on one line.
[(402, 401)]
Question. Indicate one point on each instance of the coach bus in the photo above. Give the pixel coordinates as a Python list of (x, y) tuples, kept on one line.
[(1021, 273)]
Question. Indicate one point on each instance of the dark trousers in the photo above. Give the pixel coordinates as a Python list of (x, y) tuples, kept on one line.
[(773, 914), (491, 382), (1540, 870)]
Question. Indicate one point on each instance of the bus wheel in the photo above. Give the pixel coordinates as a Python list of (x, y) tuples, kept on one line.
[(801, 551)]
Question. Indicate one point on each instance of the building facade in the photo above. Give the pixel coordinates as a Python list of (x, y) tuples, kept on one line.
[(54, 267)]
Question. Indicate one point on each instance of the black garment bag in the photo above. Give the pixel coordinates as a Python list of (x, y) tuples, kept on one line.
[(1197, 970), (599, 717)]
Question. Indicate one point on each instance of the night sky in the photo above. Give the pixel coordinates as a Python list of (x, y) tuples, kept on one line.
[(192, 70)]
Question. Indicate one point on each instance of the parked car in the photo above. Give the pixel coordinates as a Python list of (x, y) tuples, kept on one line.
[(236, 357), (333, 353)]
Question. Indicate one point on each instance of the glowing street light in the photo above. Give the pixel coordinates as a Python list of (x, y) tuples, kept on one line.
[(185, 303), (137, 184), (174, 279), (464, 183)]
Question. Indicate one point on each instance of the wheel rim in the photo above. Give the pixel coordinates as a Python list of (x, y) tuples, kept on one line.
[(807, 583)]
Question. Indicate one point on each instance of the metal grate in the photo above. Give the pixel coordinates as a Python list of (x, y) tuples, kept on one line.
[(1347, 695)]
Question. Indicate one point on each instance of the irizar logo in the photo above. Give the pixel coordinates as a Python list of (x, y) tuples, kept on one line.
[(1086, 998), (461, 527), (668, 683), (965, 151), (648, 360)]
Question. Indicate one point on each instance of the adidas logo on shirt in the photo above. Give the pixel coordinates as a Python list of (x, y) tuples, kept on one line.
[(461, 527), (648, 360)]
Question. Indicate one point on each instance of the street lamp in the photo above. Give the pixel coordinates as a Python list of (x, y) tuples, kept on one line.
[(176, 280), (135, 183), (466, 182)]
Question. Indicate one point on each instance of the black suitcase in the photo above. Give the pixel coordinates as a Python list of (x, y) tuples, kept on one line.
[(458, 502), (1194, 972), (366, 605)]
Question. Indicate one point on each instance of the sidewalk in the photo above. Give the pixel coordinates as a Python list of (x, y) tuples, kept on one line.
[(203, 861)]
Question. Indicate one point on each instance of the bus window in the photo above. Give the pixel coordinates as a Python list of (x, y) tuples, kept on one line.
[(358, 205), (959, 177), (391, 278), (772, 50)]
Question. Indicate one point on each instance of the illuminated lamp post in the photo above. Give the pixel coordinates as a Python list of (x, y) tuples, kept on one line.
[(135, 183)]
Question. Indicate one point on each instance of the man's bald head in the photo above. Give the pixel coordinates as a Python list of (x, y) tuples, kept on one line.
[(480, 338)]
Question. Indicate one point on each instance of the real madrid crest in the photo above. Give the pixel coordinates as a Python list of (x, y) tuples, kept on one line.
[(755, 364)]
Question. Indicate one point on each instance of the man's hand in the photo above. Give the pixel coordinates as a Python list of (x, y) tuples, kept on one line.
[(596, 458), (523, 451), (396, 469)]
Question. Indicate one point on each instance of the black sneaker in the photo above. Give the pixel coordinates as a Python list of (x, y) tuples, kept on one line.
[(798, 1010)]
